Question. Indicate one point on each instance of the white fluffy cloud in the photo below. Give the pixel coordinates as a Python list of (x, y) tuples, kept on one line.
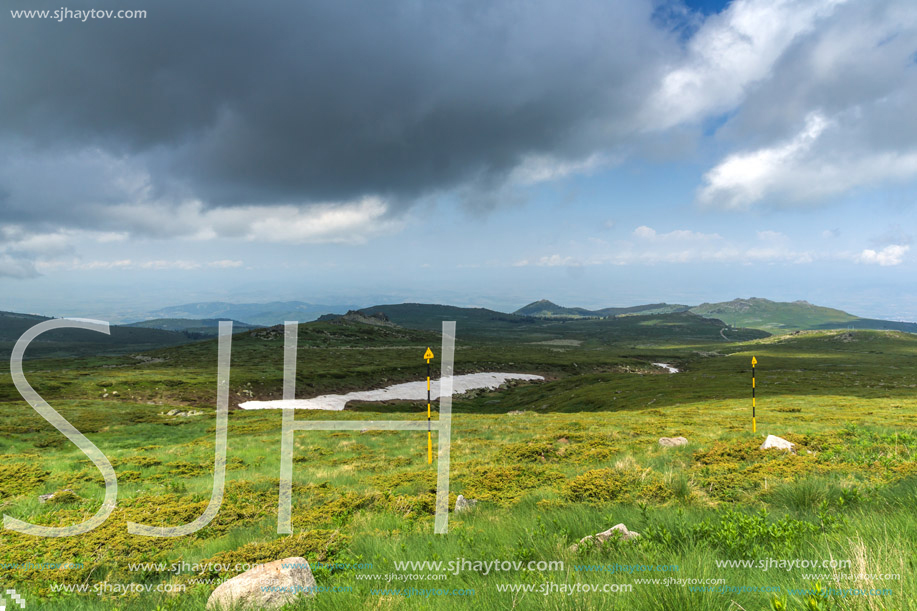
[(745, 178), (544, 168), (23, 252), (888, 256), (801, 170), (341, 222), (730, 53)]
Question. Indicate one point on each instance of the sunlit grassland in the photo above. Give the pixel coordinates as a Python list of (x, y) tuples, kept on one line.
[(582, 457)]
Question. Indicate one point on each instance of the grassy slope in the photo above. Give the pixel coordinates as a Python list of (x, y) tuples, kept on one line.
[(754, 313), (771, 315), (650, 308), (585, 458)]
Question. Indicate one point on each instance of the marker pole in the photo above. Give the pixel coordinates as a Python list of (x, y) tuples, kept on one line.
[(429, 431), (754, 427)]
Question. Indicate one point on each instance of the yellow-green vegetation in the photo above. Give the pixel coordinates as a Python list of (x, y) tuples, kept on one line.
[(583, 457)]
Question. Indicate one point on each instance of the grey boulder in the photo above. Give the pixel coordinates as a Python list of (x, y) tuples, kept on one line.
[(267, 586)]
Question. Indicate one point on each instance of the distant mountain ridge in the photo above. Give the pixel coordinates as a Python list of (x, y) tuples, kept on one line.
[(486, 323), (751, 313), (747, 318), (63, 343), (203, 327), (430, 316), (754, 313), (264, 314)]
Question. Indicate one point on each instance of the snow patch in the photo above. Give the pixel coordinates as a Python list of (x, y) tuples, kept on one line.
[(409, 391)]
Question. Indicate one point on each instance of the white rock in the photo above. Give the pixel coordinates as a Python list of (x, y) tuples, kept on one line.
[(671, 442), (779, 443), (618, 530), (463, 504), (267, 586)]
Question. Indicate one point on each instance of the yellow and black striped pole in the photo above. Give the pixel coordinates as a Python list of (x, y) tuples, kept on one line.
[(429, 355), (754, 427)]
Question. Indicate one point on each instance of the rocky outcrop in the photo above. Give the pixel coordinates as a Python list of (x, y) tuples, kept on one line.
[(618, 530), (177, 412), (463, 504)]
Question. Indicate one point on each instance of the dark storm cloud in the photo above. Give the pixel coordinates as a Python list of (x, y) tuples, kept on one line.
[(292, 101)]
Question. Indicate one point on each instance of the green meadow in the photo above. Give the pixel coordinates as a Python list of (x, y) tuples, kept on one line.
[(582, 457)]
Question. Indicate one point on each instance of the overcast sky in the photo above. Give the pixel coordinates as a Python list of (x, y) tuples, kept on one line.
[(471, 152)]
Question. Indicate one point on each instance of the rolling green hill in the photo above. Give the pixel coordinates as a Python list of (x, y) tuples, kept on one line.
[(548, 309), (753, 313), (674, 327), (649, 308), (677, 328), (775, 316), (430, 316)]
